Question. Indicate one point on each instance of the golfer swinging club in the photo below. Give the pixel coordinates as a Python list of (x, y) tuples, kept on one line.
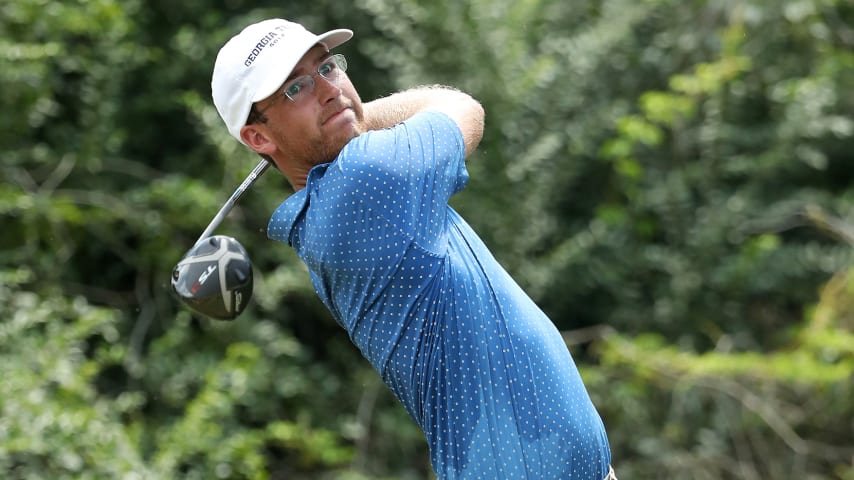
[(478, 366)]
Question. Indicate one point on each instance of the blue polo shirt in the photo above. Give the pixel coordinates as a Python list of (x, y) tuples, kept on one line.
[(479, 367)]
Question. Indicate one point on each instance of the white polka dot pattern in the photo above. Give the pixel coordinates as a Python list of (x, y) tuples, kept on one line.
[(474, 361)]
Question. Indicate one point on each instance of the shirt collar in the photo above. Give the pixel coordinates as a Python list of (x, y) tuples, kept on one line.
[(284, 219)]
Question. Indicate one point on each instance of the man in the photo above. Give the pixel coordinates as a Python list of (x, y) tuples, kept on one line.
[(474, 361)]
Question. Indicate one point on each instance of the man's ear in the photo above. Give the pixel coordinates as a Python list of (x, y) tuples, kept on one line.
[(255, 136)]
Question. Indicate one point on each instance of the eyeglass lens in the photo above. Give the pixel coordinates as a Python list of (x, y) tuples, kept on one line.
[(330, 69)]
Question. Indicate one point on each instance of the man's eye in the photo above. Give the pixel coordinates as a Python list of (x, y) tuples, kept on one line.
[(295, 88), (326, 68)]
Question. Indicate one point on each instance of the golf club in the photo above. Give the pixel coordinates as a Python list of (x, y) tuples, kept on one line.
[(214, 277)]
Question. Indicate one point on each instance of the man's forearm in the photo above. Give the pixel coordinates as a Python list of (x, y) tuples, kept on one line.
[(387, 112)]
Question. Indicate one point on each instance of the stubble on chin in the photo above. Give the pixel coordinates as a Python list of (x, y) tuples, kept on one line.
[(329, 151), (329, 148), (326, 148), (339, 142)]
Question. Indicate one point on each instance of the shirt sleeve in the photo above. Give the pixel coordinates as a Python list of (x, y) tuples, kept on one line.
[(407, 174)]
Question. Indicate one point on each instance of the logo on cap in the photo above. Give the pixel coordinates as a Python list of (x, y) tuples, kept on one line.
[(268, 40)]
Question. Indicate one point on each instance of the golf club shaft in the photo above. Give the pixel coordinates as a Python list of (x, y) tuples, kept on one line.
[(229, 204)]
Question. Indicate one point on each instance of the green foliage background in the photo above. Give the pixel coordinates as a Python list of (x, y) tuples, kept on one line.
[(671, 180)]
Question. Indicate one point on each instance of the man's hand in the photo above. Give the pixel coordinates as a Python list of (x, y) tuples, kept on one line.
[(467, 112)]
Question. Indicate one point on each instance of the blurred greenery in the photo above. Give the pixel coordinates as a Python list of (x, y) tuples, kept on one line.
[(671, 181)]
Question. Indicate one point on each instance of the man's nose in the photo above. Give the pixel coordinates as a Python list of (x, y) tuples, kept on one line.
[(327, 89)]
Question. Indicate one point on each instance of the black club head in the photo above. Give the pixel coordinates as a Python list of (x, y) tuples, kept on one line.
[(215, 278)]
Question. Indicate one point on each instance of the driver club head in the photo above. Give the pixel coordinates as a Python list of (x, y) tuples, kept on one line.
[(215, 278)]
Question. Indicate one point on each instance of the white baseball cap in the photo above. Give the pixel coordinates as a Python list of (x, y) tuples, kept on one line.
[(257, 61)]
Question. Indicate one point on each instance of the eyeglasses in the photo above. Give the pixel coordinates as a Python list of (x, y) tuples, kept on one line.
[(301, 88)]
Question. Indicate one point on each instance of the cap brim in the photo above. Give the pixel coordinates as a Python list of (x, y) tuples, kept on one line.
[(333, 38)]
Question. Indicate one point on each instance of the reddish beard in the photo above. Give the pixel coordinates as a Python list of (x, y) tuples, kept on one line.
[(328, 149)]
